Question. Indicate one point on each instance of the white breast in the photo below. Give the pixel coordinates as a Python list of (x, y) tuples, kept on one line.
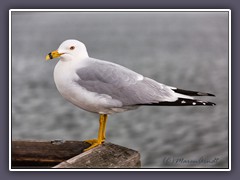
[(65, 77)]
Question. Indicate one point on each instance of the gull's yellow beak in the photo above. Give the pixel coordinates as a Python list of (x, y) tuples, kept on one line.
[(52, 55)]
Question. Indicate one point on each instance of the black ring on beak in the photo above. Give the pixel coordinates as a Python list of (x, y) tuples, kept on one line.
[(50, 55)]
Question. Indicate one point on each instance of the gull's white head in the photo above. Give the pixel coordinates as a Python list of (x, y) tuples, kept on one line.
[(68, 50)]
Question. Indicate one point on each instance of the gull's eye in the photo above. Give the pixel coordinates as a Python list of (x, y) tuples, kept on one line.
[(72, 47)]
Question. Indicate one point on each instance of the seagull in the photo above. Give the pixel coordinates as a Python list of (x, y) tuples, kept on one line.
[(106, 88)]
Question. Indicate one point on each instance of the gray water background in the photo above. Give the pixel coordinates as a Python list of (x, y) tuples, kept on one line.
[(185, 50)]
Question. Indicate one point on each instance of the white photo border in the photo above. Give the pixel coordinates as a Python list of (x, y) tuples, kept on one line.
[(121, 10)]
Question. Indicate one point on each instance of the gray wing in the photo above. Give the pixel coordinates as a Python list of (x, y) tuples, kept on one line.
[(107, 72), (122, 84)]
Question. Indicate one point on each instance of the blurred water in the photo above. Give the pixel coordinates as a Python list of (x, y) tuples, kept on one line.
[(186, 50)]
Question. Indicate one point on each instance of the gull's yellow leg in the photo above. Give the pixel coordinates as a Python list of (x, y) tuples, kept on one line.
[(104, 127), (101, 133)]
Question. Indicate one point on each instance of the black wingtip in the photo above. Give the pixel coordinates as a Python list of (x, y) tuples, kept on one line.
[(191, 93), (182, 102), (211, 104), (204, 94), (211, 95)]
